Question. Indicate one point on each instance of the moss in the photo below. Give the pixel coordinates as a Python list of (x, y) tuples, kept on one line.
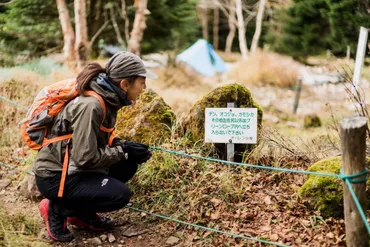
[(218, 98), (312, 121), (148, 121), (325, 193)]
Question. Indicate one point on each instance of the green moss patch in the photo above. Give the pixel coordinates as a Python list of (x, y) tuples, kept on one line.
[(148, 121)]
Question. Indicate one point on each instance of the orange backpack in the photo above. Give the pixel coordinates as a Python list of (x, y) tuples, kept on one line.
[(47, 104)]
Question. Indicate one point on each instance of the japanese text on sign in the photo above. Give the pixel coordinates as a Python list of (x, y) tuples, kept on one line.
[(231, 125)]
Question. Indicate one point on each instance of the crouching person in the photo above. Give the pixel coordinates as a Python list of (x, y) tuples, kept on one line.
[(86, 174)]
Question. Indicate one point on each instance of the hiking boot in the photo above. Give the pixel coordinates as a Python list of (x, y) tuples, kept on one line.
[(56, 225), (94, 222)]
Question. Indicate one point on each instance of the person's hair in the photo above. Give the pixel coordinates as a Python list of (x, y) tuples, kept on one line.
[(92, 70), (86, 75)]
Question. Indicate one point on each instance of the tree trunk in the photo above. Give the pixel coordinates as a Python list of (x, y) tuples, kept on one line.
[(216, 21), (257, 33), (116, 28), (81, 45), (68, 33), (127, 21), (204, 20), (232, 21), (139, 26), (241, 30)]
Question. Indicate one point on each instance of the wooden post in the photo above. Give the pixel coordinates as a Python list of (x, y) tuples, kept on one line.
[(360, 54), (297, 95), (353, 144), (230, 150), (348, 53)]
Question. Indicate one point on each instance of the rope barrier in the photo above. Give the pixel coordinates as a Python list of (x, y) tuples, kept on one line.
[(206, 228), (340, 176), (15, 168), (14, 103), (348, 179), (358, 205)]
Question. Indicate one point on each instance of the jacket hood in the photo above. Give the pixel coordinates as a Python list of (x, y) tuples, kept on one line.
[(112, 94)]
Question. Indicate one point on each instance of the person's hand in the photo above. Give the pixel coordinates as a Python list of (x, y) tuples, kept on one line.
[(135, 152)]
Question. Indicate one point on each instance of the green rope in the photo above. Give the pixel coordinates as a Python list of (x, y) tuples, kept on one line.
[(15, 168), (358, 205), (341, 176), (14, 103), (206, 228), (351, 177)]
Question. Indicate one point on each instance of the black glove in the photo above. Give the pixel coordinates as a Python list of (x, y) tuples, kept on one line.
[(135, 152)]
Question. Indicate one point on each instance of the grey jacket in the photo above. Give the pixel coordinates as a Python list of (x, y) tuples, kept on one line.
[(89, 150)]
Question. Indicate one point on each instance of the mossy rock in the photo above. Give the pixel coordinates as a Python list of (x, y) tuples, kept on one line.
[(149, 120), (325, 193), (312, 121), (193, 124)]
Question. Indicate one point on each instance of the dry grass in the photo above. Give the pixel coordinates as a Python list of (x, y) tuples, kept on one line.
[(18, 230), (266, 68), (179, 89)]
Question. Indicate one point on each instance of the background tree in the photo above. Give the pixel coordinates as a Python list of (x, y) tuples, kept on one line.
[(311, 27), (30, 27), (68, 32), (137, 33)]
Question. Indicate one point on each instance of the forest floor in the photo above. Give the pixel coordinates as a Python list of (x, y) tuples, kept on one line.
[(259, 204)]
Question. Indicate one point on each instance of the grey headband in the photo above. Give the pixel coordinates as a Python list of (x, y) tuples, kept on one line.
[(126, 64)]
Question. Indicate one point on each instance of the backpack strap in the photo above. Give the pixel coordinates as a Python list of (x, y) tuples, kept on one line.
[(66, 156), (102, 128), (64, 171)]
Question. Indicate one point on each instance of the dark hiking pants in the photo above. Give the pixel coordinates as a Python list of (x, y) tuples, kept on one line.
[(89, 193)]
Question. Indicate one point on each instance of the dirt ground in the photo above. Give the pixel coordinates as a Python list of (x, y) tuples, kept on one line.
[(140, 230)]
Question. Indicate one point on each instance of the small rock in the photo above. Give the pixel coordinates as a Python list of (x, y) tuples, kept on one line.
[(93, 241), (111, 238), (122, 241), (140, 237), (172, 240), (120, 245), (103, 237), (4, 183), (143, 214), (330, 235), (293, 124)]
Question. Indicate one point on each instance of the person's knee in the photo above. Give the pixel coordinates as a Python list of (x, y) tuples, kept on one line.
[(123, 197)]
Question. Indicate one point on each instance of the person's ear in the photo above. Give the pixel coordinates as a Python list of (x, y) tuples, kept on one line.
[(124, 84)]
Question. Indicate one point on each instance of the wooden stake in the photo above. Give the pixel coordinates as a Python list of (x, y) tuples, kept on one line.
[(230, 149), (353, 143), (298, 90)]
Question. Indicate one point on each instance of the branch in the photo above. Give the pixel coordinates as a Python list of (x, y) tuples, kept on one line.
[(98, 33), (223, 9), (116, 28), (4, 4)]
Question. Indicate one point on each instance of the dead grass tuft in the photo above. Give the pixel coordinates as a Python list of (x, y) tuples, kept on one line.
[(266, 68)]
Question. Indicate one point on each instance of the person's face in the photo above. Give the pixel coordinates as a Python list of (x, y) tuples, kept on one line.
[(134, 89)]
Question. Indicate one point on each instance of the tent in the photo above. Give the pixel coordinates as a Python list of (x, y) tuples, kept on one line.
[(202, 58)]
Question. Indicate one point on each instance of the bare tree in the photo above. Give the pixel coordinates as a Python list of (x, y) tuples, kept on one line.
[(241, 29), (232, 26), (203, 12), (81, 45), (115, 26), (139, 26), (257, 34), (216, 22), (68, 33), (124, 16)]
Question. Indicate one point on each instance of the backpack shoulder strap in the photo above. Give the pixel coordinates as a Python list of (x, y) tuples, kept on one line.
[(101, 101)]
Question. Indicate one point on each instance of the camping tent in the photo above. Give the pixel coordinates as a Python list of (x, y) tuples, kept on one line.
[(202, 58)]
